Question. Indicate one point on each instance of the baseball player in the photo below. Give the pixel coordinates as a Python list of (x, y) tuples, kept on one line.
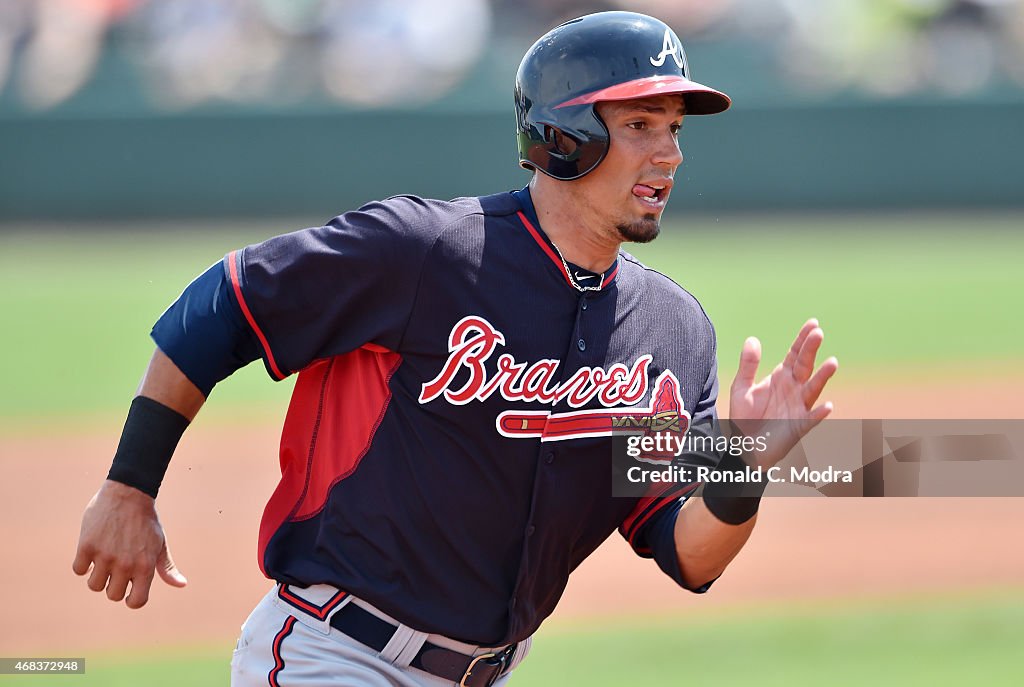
[(446, 456)]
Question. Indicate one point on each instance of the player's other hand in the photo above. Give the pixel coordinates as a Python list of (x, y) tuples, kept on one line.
[(787, 399), (123, 542)]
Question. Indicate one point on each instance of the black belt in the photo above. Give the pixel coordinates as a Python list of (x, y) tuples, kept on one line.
[(469, 671)]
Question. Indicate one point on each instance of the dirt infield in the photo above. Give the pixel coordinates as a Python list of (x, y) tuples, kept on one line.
[(214, 495)]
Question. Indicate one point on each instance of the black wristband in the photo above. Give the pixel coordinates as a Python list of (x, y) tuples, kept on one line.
[(734, 502), (150, 435)]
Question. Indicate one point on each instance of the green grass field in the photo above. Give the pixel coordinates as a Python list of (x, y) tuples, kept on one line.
[(928, 642), (935, 642), (895, 294)]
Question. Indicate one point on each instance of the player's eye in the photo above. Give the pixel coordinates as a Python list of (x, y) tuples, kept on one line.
[(639, 126), (675, 129)]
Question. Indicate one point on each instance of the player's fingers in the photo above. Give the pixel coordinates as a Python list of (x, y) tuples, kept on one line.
[(804, 365), (816, 384), (98, 579), (798, 342), (118, 585), (820, 413), (750, 358), (141, 584), (83, 559), (168, 571)]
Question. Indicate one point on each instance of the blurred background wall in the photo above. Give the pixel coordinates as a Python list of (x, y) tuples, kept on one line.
[(242, 108)]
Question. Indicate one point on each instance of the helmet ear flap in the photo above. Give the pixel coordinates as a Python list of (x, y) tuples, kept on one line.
[(564, 150), (560, 144)]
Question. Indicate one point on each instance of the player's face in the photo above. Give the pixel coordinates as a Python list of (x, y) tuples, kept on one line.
[(631, 186)]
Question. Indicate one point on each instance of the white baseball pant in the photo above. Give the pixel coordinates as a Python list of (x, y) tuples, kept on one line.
[(282, 646)]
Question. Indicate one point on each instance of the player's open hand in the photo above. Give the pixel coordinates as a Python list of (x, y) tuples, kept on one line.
[(123, 542), (787, 399)]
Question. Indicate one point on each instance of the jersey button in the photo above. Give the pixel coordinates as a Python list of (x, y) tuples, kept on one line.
[(512, 603), (549, 458), (583, 305), (530, 530), (581, 344)]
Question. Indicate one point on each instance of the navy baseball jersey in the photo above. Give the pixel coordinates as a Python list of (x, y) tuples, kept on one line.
[(447, 454)]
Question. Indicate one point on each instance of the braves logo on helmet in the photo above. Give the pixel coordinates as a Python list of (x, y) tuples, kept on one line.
[(673, 49)]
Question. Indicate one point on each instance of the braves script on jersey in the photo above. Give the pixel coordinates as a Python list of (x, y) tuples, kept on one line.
[(446, 454)]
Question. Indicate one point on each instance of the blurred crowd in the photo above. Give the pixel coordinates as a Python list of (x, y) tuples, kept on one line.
[(372, 53)]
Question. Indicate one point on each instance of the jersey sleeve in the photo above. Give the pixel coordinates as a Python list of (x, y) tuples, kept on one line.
[(650, 527), (327, 290), (203, 331)]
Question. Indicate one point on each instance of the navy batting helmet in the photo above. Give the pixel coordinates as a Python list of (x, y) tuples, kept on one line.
[(599, 57)]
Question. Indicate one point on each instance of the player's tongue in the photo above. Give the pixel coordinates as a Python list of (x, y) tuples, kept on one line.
[(643, 191)]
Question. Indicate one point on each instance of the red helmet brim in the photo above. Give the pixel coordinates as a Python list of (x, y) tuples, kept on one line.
[(700, 99)]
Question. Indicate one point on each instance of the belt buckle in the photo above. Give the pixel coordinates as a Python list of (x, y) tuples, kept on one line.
[(491, 660)]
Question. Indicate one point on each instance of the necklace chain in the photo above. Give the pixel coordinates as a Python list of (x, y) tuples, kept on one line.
[(572, 281)]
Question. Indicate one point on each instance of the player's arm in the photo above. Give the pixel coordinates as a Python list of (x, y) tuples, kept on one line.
[(122, 541), (711, 530), (289, 300), (706, 545)]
